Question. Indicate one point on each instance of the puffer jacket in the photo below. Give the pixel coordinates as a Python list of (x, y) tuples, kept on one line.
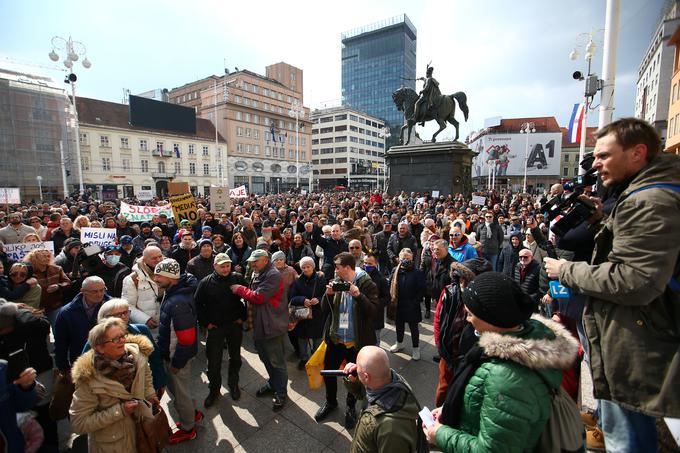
[(531, 279), (632, 315), (97, 406), (142, 296), (410, 294), (177, 336), (464, 251), (200, 267), (506, 403)]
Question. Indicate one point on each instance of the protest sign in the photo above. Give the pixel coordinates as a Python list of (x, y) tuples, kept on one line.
[(178, 188), (220, 203), (239, 192), (184, 207), (145, 195), (99, 236), (9, 195), (143, 213), (480, 201), (17, 252), (435, 194)]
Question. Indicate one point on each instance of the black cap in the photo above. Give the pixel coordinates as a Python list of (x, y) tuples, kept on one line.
[(145, 225), (498, 300)]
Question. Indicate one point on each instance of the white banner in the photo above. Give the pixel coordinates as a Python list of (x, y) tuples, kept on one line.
[(10, 195), (238, 192), (99, 236), (435, 194), (143, 213), (479, 201), (220, 203), (17, 252), (508, 151), (145, 195)]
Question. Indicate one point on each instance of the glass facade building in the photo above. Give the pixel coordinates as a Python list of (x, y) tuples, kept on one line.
[(378, 59)]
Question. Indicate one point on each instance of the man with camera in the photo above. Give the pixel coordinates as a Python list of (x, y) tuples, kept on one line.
[(632, 319), (349, 327)]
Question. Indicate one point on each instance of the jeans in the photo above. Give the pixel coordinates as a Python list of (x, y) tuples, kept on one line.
[(232, 335), (627, 431), (179, 386), (492, 259), (305, 350), (378, 332), (335, 355), (272, 353), (415, 336)]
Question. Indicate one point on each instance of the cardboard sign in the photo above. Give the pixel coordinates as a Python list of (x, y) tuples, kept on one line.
[(10, 195), (480, 201), (239, 192), (220, 203), (435, 194), (17, 252), (145, 195), (143, 213), (99, 236), (184, 207), (177, 188), (557, 291)]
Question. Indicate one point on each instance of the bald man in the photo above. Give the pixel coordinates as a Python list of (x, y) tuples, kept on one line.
[(390, 423), (357, 253)]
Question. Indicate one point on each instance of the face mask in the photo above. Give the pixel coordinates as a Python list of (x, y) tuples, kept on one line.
[(368, 268), (112, 260), (406, 264)]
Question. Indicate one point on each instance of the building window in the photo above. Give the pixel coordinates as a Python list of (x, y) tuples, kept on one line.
[(267, 136), (566, 157), (290, 154), (145, 166), (304, 155), (159, 147), (85, 163), (239, 147), (275, 152), (239, 116), (205, 150), (206, 169), (104, 141), (106, 164), (161, 167), (192, 149), (83, 138), (239, 131), (256, 149), (248, 134), (256, 118), (124, 143), (192, 168), (143, 145), (176, 148), (126, 165), (565, 171), (237, 99), (178, 168), (256, 134), (248, 148), (247, 117), (267, 151)]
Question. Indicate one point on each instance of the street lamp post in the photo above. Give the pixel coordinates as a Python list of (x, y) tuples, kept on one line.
[(73, 51), (385, 134), (297, 111), (526, 128), (39, 178)]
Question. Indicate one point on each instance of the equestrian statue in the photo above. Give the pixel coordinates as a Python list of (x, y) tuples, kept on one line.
[(428, 105)]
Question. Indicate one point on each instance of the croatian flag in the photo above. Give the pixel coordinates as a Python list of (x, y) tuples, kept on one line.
[(575, 123)]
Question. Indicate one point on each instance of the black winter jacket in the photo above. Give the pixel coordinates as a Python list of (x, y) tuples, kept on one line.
[(216, 304), (31, 334), (200, 267), (309, 288), (383, 298), (530, 285)]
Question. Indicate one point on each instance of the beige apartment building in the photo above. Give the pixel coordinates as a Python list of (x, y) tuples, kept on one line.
[(267, 152)]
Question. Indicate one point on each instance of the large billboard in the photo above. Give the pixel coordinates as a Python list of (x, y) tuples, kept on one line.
[(162, 115), (508, 151)]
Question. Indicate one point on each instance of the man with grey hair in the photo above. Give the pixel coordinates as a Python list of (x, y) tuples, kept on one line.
[(141, 290), (357, 253), (75, 320)]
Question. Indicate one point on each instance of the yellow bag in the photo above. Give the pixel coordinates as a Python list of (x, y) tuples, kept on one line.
[(314, 365)]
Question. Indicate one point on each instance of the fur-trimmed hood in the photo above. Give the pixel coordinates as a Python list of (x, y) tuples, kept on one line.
[(535, 351), (83, 369)]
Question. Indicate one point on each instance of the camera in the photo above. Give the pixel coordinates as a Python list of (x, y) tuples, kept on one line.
[(572, 209), (88, 257), (340, 285)]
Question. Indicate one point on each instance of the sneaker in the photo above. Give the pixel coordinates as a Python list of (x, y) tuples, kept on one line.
[(588, 419), (264, 390), (324, 410), (397, 347), (278, 402), (180, 436), (595, 439), (198, 418), (301, 364), (415, 353), (350, 417), (211, 398), (235, 392)]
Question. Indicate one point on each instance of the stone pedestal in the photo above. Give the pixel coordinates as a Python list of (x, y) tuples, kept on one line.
[(444, 166)]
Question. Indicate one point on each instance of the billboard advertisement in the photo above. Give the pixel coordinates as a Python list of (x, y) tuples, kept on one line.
[(505, 153)]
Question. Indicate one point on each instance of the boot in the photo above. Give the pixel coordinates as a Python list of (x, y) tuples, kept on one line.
[(211, 398), (398, 346), (324, 410), (415, 353)]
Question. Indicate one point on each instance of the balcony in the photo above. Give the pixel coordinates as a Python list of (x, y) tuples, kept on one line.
[(164, 175)]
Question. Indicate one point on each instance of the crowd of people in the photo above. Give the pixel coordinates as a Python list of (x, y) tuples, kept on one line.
[(122, 326)]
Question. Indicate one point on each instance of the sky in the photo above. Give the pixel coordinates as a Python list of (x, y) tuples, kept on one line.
[(509, 57)]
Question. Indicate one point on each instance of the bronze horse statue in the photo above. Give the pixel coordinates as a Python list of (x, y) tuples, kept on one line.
[(443, 111)]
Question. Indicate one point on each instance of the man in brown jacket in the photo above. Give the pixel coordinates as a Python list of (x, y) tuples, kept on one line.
[(632, 316)]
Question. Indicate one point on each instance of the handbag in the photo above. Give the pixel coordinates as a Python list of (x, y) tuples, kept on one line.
[(297, 313), (63, 394), (152, 433)]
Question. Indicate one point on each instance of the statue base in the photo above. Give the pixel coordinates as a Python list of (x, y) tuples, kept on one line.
[(444, 166)]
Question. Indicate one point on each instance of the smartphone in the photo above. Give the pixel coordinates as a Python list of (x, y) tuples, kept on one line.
[(17, 362)]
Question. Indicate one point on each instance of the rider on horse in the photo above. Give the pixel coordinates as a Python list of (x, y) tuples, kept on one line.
[(428, 95)]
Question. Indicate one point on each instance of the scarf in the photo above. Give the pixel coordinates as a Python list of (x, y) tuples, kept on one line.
[(453, 405), (394, 294), (122, 370), (390, 397)]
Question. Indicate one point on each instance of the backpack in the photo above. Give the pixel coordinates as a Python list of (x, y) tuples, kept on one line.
[(563, 432)]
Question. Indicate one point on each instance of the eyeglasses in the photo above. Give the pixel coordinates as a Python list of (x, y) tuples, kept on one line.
[(524, 257), (455, 235), (120, 314), (18, 274), (117, 340), (354, 248), (488, 217)]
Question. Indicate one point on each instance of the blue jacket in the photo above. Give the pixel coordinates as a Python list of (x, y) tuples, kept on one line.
[(463, 252), (70, 331), (177, 332), (13, 399)]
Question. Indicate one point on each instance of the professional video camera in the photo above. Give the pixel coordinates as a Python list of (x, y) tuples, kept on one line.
[(572, 209)]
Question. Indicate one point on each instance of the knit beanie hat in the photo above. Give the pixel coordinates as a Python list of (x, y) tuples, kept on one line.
[(307, 261), (203, 242), (71, 243), (498, 300), (168, 268), (278, 256)]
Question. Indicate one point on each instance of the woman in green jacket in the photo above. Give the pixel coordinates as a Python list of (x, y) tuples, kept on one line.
[(500, 400)]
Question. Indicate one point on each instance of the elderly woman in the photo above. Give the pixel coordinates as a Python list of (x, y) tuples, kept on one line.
[(407, 290), (52, 280), (20, 274), (307, 291), (500, 399), (119, 308), (297, 251), (31, 237), (113, 388), (81, 222)]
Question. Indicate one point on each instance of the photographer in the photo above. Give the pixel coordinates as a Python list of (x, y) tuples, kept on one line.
[(631, 308), (349, 327)]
